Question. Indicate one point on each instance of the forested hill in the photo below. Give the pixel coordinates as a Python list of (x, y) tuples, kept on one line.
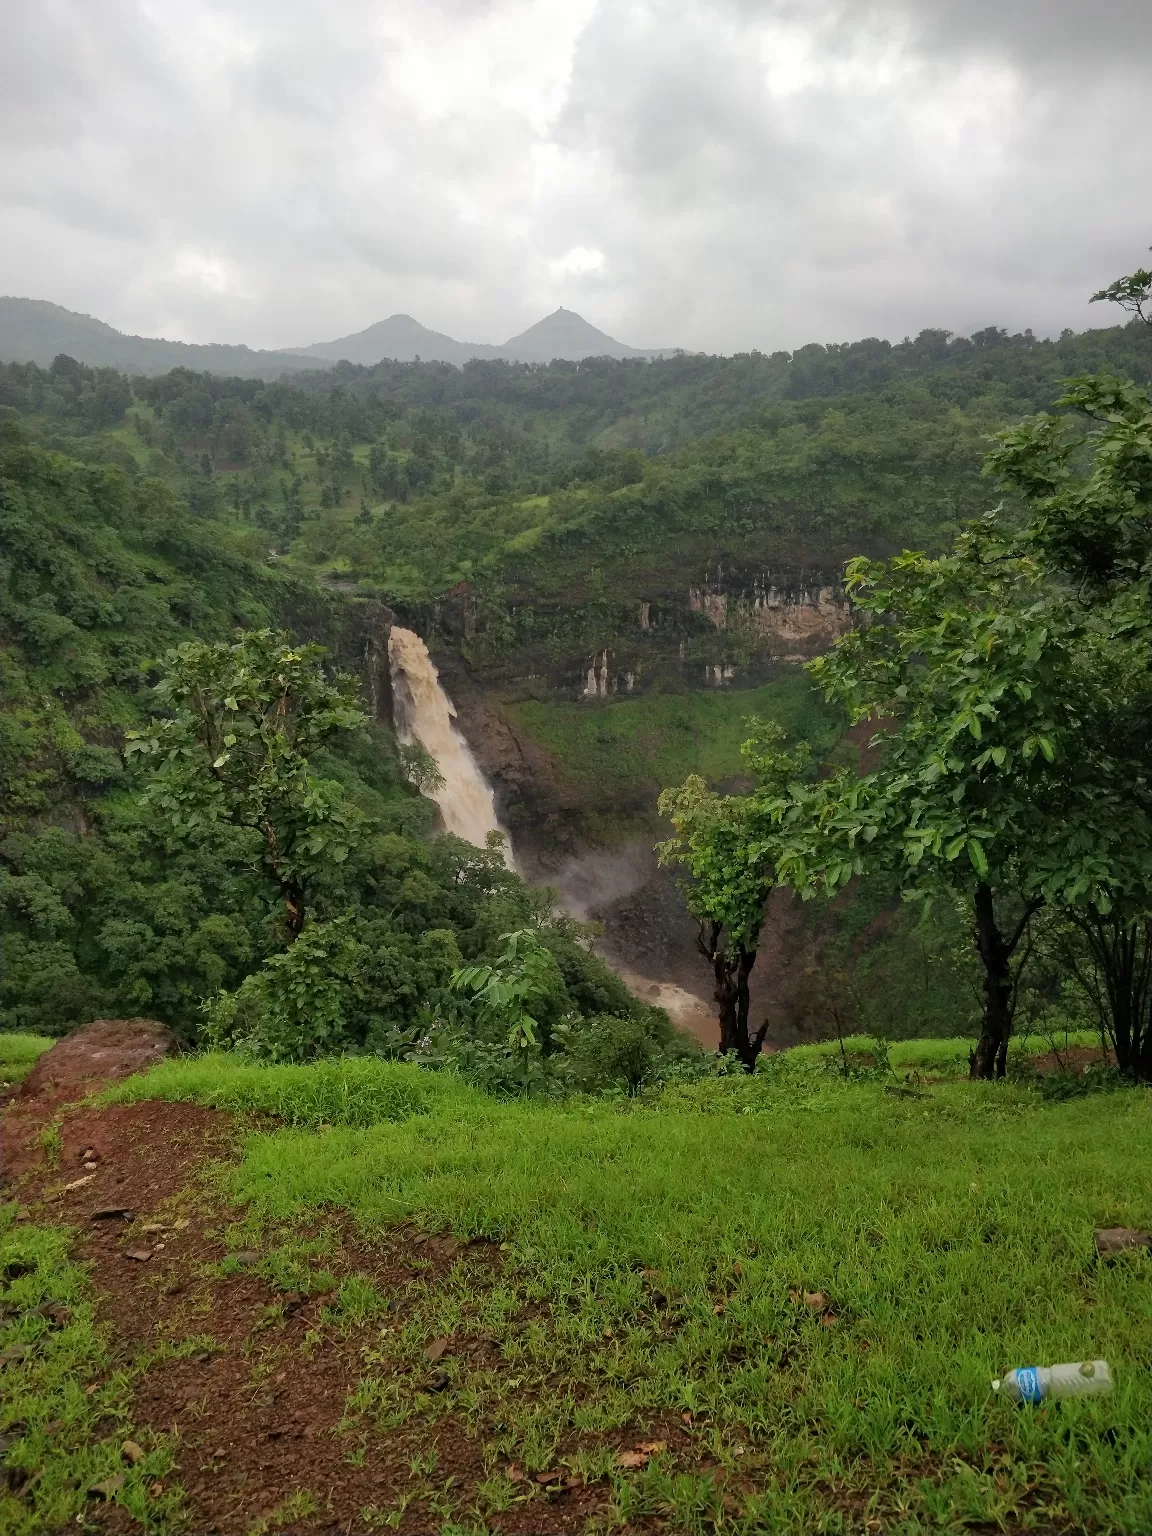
[(568, 498), (103, 910), (622, 533), (32, 330), (657, 404)]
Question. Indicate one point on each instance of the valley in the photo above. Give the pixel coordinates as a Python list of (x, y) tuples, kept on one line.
[(395, 1163)]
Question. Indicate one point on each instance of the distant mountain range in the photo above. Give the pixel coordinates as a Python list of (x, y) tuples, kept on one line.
[(34, 331)]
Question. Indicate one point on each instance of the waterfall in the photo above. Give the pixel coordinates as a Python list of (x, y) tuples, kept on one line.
[(424, 713)]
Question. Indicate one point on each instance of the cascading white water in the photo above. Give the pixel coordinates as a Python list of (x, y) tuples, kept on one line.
[(424, 713)]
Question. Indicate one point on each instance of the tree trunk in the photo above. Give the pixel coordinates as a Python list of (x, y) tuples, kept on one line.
[(990, 1057), (731, 971), (293, 912), (1120, 984)]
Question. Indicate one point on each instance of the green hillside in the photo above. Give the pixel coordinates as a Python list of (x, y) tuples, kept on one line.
[(508, 512)]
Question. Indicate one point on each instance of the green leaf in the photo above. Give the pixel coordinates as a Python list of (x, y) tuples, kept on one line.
[(978, 857)]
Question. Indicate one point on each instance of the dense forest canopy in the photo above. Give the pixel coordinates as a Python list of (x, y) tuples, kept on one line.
[(141, 514)]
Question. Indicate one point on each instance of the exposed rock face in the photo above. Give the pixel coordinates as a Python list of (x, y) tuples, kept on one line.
[(799, 614), (378, 622)]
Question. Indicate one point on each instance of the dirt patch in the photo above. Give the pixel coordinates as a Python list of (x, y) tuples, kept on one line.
[(1072, 1062), (102, 1052), (251, 1368)]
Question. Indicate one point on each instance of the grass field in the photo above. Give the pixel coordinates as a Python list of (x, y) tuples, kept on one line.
[(658, 739), (19, 1054), (823, 1276), (64, 1414)]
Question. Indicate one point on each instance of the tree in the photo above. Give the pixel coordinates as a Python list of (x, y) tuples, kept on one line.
[(1131, 293), (728, 845), (234, 747), (1090, 493), (1003, 777), (1091, 496)]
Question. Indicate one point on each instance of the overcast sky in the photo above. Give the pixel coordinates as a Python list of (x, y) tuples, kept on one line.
[(715, 174)]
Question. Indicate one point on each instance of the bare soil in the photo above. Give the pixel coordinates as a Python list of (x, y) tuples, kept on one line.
[(100, 1053), (1074, 1061), (253, 1381)]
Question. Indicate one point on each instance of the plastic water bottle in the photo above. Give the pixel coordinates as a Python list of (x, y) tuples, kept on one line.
[(1077, 1378)]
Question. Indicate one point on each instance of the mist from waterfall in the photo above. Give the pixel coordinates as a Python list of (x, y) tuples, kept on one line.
[(424, 713)]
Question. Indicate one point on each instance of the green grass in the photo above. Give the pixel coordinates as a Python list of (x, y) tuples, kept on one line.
[(658, 739), (947, 1057), (64, 1413), (951, 1237), (349, 1091), (19, 1054)]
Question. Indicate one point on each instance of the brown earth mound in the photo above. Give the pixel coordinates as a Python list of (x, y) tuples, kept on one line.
[(103, 1051), (99, 1053)]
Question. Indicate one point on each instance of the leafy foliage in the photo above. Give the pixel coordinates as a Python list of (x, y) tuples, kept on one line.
[(728, 845), (1008, 713), (503, 992), (235, 748)]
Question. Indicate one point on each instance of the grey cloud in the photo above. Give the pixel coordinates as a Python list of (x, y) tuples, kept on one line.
[(754, 172)]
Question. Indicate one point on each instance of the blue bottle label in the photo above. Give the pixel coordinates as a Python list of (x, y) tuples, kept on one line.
[(1028, 1384)]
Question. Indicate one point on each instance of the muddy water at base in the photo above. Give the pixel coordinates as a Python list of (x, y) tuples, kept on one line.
[(685, 1009)]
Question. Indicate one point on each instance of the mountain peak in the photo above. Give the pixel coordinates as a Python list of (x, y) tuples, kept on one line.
[(564, 333)]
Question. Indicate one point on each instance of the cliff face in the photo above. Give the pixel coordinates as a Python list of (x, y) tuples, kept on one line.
[(728, 627), (795, 616)]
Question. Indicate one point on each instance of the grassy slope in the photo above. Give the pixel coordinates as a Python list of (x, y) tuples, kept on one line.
[(950, 1239), (658, 739)]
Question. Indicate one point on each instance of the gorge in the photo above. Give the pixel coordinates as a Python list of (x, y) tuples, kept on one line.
[(424, 715)]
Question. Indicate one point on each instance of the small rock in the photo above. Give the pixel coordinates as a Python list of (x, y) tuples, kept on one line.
[(80, 1183), (435, 1350), (1117, 1239), (141, 1255), (131, 1452), (247, 1258), (545, 1478), (109, 1487)]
